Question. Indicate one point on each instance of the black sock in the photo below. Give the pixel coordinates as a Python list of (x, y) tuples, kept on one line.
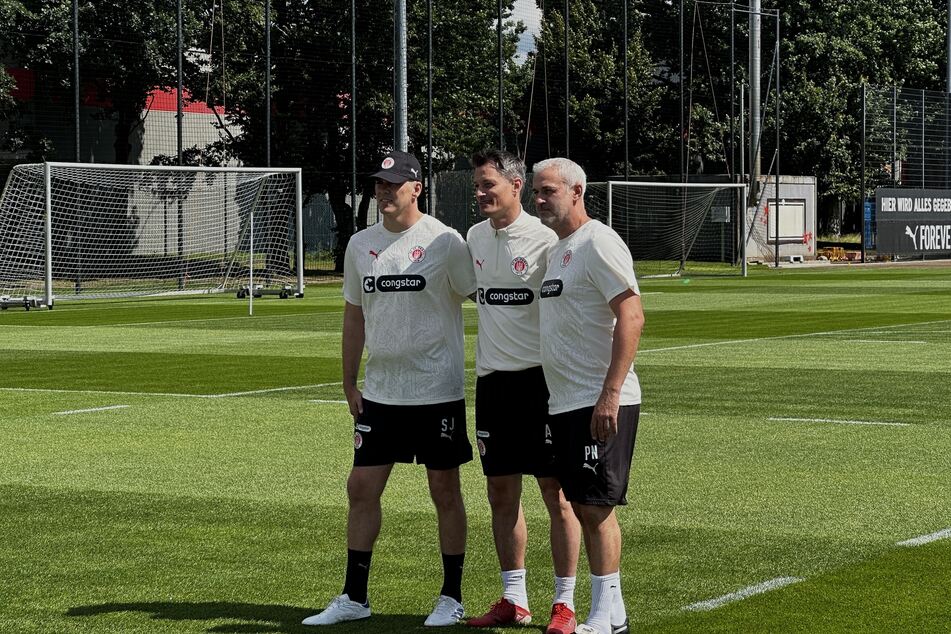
[(358, 575), (452, 576)]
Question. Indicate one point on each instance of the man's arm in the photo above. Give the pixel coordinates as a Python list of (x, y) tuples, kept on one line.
[(354, 337), (629, 312)]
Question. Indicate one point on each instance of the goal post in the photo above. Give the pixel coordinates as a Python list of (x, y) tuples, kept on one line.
[(675, 228), (92, 231)]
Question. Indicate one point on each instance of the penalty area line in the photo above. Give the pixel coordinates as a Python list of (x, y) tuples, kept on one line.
[(837, 421), (925, 539), (744, 593), (90, 410)]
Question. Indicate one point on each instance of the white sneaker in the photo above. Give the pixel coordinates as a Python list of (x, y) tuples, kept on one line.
[(340, 609), (448, 611)]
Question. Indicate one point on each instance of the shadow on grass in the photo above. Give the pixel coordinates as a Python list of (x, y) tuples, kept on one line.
[(249, 617)]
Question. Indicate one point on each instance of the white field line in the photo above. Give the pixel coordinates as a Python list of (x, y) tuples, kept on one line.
[(291, 388), (168, 394), (91, 409), (728, 342), (321, 400), (837, 421), (926, 539), (744, 593), (891, 341), (45, 390)]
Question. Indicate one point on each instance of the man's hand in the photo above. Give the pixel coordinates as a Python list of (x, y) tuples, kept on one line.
[(604, 418), (354, 400)]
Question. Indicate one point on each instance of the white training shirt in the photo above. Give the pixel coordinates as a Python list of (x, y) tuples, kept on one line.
[(586, 271), (411, 286), (509, 268)]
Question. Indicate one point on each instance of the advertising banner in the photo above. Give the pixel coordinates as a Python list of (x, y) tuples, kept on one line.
[(913, 221)]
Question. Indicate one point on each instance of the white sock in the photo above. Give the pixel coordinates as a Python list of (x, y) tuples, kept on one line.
[(618, 611), (513, 587), (604, 590), (565, 591)]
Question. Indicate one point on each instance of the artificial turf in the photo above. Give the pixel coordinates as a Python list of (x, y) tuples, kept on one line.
[(200, 507)]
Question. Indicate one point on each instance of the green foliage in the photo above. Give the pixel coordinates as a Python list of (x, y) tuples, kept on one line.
[(829, 49), (596, 81)]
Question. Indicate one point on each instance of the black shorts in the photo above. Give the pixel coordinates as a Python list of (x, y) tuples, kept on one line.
[(512, 431), (433, 435), (591, 472)]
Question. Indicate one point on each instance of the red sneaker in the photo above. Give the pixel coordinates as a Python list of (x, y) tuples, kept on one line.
[(562, 620), (502, 612)]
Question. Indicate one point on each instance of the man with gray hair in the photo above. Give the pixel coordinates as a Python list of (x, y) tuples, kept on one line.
[(591, 319), (509, 251)]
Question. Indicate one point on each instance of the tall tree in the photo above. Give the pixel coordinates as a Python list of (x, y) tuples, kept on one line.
[(829, 49), (596, 86)]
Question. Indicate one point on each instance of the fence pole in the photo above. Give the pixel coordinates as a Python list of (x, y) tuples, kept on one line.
[(429, 110), (267, 83), (178, 101), (862, 191), (779, 109), (681, 81), (400, 140), (922, 139), (76, 87), (353, 108), (895, 136), (498, 31), (567, 87), (627, 163)]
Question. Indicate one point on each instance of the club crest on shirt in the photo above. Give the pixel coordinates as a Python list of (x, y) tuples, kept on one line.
[(357, 440), (481, 446), (519, 266), (417, 254), (566, 259)]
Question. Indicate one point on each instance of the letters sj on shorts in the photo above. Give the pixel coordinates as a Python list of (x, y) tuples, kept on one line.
[(913, 221)]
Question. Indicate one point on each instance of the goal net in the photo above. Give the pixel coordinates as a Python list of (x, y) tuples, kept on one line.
[(674, 228), (74, 231)]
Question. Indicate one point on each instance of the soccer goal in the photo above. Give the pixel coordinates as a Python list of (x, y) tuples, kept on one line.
[(675, 228), (82, 231)]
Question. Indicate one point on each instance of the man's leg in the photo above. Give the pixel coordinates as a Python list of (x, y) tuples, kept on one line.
[(446, 494), (602, 540), (364, 490), (510, 533), (565, 538)]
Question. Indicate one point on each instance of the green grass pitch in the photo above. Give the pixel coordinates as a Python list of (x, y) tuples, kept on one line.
[(796, 425)]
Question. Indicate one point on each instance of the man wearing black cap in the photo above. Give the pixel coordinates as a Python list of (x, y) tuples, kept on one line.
[(404, 283)]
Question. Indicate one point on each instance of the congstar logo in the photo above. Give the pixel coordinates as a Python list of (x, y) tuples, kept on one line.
[(506, 296), (393, 283)]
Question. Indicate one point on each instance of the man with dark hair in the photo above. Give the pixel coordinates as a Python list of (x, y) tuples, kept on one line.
[(509, 252), (591, 321), (404, 282)]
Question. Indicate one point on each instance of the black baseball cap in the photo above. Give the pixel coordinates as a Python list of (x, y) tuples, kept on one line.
[(399, 167)]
